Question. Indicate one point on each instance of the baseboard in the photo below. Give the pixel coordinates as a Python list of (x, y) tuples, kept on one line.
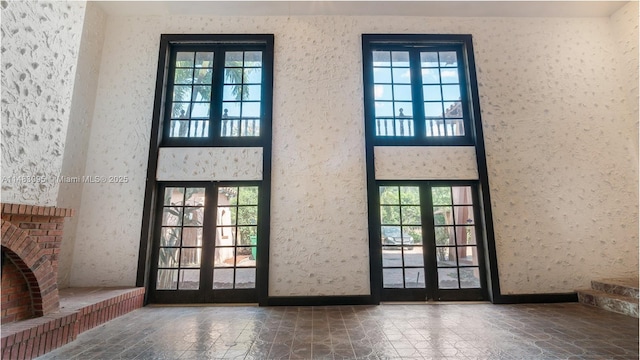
[(535, 298), (320, 300)]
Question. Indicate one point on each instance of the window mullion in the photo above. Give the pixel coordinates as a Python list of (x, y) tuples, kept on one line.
[(216, 93), (416, 95)]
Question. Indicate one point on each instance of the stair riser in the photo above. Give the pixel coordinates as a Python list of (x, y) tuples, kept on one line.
[(614, 305), (615, 289)]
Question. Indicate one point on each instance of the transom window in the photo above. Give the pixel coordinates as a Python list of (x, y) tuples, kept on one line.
[(415, 91), (218, 91)]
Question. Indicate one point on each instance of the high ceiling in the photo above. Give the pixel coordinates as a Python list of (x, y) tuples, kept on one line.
[(353, 8)]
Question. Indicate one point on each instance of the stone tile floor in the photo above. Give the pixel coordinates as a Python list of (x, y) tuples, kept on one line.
[(392, 331)]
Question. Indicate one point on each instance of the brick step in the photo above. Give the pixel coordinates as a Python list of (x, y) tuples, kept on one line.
[(620, 304), (620, 286)]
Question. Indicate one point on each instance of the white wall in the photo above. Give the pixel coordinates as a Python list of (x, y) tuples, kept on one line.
[(40, 43), (80, 119), (558, 144)]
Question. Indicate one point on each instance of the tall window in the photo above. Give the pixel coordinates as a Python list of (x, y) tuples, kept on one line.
[(416, 91), (218, 91)]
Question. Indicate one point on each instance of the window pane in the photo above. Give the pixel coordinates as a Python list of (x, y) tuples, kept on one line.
[(200, 111), (192, 236), (189, 280), (193, 216), (252, 76), (225, 236), (470, 278), (381, 58), (415, 232), (233, 58), (184, 59), (448, 59), (453, 109), (245, 278), (429, 59), (449, 76), (180, 110), (456, 127), (183, 76), (199, 129), (404, 127), (244, 257), (402, 92), (410, 195), (400, 58), (384, 109), (202, 76), (223, 278), (170, 236), (224, 257), (463, 215), (172, 216), (435, 128), (168, 257), (195, 197), (250, 109), (167, 279), (391, 235), (469, 237), (448, 278), (442, 215), (430, 76), (414, 278), (248, 195), (389, 195), (446, 256), (381, 75), (383, 92), (204, 59), (251, 92), (411, 215), (401, 75), (392, 278), (173, 196), (228, 196), (226, 216), (231, 92), (248, 215), (432, 92), (444, 235), (253, 58), (390, 214), (233, 76), (467, 255), (403, 109), (182, 93), (451, 92), (391, 256), (201, 93), (441, 195), (190, 258), (231, 109), (433, 109), (413, 257)]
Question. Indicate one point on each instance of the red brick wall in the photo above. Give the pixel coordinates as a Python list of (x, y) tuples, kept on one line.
[(31, 238), (16, 295)]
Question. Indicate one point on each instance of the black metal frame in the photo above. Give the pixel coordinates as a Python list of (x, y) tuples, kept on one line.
[(149, 223), (206, 294), (414, 44), (474, 137), (432, 292)]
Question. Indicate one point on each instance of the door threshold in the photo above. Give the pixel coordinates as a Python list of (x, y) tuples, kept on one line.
[(435, 302), (206, 305)]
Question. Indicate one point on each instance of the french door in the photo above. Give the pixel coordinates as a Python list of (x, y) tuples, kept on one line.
[(205, 244), (429, 235)]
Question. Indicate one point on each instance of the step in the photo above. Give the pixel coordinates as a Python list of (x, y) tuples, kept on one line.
[(620, 304), (620, 286)]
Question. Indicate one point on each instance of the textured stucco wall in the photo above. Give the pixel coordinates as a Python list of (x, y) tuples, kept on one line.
[(40, 43), (209, 164), (77, 141), (425, 163), (558, 151)]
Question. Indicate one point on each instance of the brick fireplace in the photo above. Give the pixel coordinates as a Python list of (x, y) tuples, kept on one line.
[(31, 239)]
